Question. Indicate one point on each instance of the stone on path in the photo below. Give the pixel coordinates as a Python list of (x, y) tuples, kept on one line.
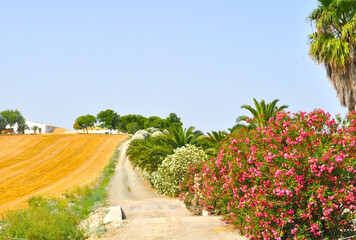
[(114, 215)]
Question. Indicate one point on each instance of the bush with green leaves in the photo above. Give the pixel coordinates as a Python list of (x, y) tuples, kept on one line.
[(47, 219), (174, 167)]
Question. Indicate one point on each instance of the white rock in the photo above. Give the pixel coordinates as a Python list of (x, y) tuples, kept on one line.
[(114, 215)]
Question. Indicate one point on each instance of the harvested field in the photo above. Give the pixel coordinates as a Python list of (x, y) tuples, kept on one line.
[(60, 130), (50, 164)]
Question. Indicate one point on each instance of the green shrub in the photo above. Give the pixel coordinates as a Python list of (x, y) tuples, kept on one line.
[(45, 219)]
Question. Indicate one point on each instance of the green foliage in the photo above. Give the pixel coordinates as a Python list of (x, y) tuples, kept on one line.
[(333, 44), (86, 121), (155, 122), (108, 119), (3, 123), (132, 122), (334, 38), (45, 219), (174, 167), (77, 126), (211, 143), (132, 127), (173, 118), (180, 136), (22, 126), (262, 113), (34, 128), (11, 117), (149, 154)]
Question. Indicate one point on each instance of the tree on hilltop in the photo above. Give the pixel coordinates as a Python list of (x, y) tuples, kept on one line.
[(86, 121), (109, 119), (173, 120), (11, 117)]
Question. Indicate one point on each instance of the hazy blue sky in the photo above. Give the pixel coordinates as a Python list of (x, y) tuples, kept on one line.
[(201, 59)]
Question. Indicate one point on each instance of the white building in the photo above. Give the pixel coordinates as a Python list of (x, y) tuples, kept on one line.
[(41, 127)]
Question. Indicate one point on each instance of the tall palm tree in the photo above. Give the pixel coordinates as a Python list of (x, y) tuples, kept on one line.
[(334, 44), (262, 114)]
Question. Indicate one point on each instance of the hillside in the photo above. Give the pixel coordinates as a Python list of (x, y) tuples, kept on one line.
[(50, 164)]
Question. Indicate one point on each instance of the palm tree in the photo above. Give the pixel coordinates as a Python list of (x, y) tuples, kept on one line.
[(211, 143), (149, 154), (261, 115), (334, 44), (180, 136), (35, 128)]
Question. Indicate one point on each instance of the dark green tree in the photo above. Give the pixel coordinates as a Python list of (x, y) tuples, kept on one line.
[(11, 117), (22, 126), (131, 118), (3, 123), (86, 121), (108, 119), (132, 127), (155, 122), (173, 121)]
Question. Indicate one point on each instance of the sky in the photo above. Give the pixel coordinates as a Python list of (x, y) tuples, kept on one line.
[(201, 59)]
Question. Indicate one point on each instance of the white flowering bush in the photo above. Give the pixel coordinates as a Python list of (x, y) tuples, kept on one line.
[(141, 134), (148, 176), (152, 130), (174, 167), (157, 134), (165, 131)]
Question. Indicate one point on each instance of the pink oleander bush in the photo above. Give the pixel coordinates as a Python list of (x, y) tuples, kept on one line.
[(293, 179)]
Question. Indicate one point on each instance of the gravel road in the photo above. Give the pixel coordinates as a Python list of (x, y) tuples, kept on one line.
[(153, 216)]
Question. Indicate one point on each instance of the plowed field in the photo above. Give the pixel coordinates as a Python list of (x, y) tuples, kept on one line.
[(50, 164)]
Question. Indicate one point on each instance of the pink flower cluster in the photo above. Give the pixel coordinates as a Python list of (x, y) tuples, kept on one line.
[(293, 179)]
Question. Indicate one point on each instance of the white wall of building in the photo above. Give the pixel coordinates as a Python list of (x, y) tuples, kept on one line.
[(42, 127)]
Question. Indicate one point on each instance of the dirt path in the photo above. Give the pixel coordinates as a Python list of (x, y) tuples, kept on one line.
[(153, 216)]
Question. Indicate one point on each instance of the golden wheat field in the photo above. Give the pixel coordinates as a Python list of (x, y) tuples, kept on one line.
[(50, 164)]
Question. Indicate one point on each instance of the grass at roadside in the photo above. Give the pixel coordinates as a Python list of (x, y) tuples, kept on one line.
[(57, 218)]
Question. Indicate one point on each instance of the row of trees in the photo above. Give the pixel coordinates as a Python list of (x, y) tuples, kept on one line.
[(11, 118), (131, 123)]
